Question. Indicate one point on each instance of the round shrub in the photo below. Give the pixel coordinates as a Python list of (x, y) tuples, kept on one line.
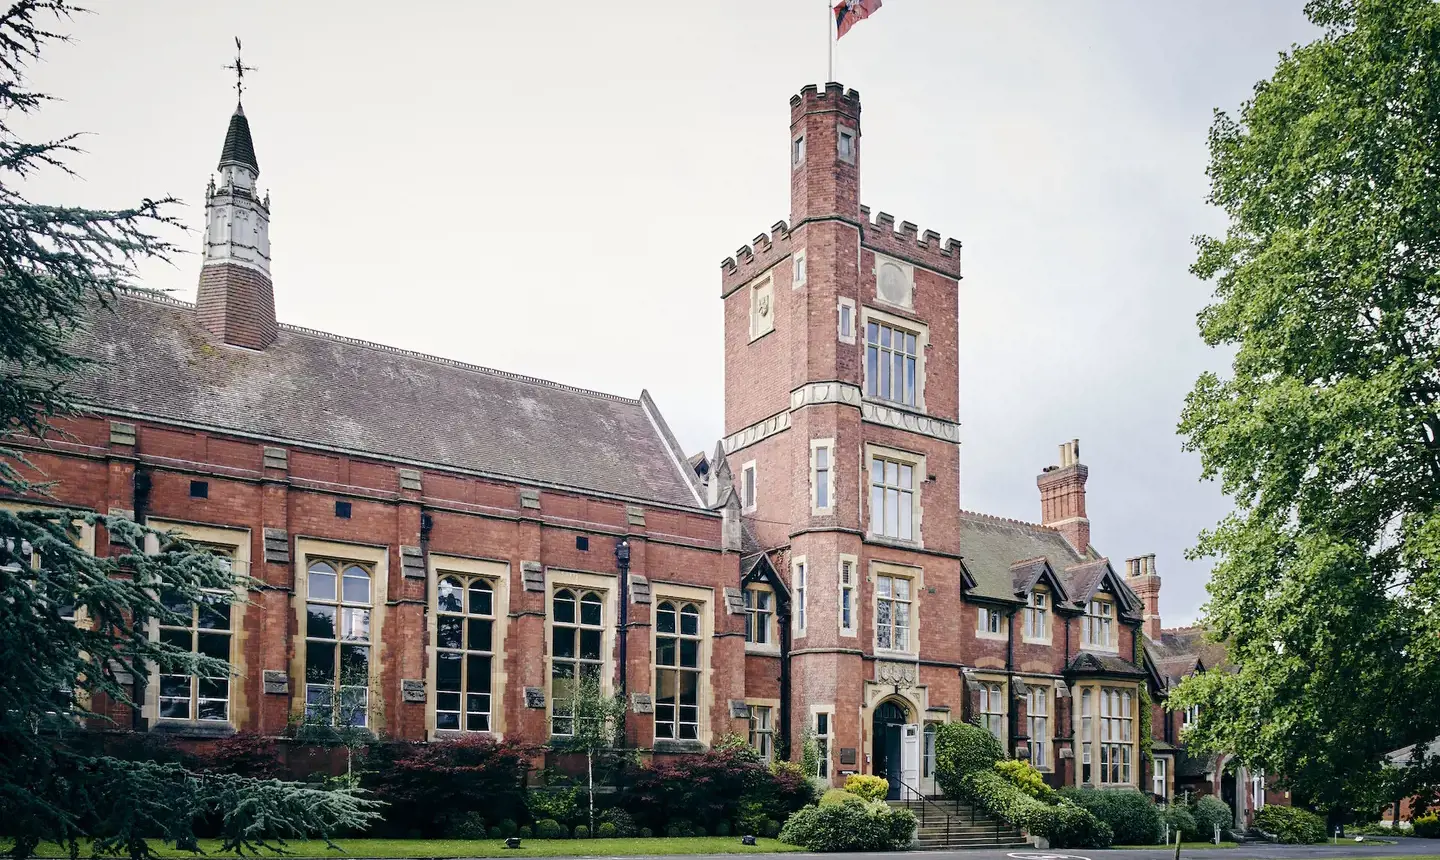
[(467, 826), (624, 824), (1180, 821), (548, 828), (646, 833), (871, 826), (837, 796), (496, 832), (1026, 778), (582, 832), (772, 827), (508, 827), (960, 750), (525, 832), (1133, 817), (1426, 826), (606, 830), (867, 787), (1291, 825), (722, 828), (1210, 811)]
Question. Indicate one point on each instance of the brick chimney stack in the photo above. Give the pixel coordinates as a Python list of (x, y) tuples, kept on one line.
[(1140, 575), (1062, 497)]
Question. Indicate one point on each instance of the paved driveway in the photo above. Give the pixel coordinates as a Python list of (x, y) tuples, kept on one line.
[(1254, 851)]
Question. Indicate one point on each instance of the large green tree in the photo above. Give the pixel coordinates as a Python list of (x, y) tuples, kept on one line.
[(1326, 430), (74, 627)]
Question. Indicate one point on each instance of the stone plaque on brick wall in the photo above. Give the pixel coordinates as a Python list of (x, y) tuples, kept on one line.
[(412, 691), (534, 697), (639, 589), (412, 562), (641, 703), (847, 755), (738, 709), (277, 546), (532, 575), (277, 682)]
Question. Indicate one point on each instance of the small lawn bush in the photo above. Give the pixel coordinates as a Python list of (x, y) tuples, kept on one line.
[(548, 828), (606, 830), (839, 796), (582, 832), (1291, 825), (1026, 778), (1180, 820), (960, 750), (525, 832), (1063, 823), (1133, 817), (646, 833), (1426, 826), (772, 827), (1210, 811), (867, 787), (864, 826)]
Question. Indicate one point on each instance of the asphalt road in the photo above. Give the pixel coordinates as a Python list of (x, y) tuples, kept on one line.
[(1254, 851)]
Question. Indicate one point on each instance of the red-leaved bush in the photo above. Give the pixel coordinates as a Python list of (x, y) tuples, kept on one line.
[(725, 784), (429, 786)]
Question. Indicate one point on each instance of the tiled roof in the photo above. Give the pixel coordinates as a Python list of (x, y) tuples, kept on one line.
[(990, 545), (154, 360), (1092, 663), (1181, 645), (239, 148)]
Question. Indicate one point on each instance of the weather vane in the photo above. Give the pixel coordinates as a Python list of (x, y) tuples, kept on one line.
[(240, 70)]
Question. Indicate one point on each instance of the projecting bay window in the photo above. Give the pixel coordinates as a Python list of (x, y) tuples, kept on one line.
[(465, 652), (992, 709), (577, 628), (1117, 726), (677, 670), (894, 494), (1098, 626), (892, 612), (338, 606), (1037, 725)]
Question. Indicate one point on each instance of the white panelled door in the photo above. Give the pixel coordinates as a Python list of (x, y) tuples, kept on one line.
[(909, 761)]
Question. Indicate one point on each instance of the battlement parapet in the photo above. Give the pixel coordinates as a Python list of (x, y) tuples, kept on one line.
[(924, 249), (811, 99), (764, 251)]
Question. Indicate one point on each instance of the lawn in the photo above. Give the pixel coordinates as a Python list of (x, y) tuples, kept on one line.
[(426, 848)]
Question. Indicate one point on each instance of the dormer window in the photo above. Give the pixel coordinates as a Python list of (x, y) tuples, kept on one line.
[(1098, 626), (1037, 616)]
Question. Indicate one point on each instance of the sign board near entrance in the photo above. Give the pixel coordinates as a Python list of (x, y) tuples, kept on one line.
[(847, 755)]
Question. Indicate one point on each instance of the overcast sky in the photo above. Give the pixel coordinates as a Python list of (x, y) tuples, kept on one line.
[(549, 187)]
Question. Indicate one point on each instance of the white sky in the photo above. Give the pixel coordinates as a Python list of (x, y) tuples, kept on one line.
[(548, 187)]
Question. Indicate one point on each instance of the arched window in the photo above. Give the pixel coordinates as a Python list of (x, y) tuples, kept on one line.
[(337, 643), (576, 625), (677, 671), (464, 642)]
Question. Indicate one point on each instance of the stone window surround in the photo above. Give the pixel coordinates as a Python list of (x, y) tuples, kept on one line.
[(840, 305), (704, 600), (772, 646), (917, 461), (916, 575), (748, 468), (982, 628), (816, 509), (842, 130), (774, 706), (1114, 646), (1049, 618), (995, 678), (607, 585), (498, 574), (800, 608), (1077, 693), (378, 559), (827, 760), (797, 151), (1051, 698), (237, 541), (922, 347), (799, 272), (854, 628)]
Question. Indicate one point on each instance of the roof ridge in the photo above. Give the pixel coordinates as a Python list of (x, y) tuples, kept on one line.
[(145, 295), (1009, 521)]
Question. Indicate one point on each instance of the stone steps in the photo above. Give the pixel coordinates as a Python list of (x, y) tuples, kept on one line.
[(947, 825)]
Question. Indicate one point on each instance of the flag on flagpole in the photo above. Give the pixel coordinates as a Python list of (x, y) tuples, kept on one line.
[(847, 12)]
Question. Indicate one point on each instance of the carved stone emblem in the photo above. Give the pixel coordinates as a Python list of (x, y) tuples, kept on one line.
[(412, 691), (277, 682), (641, 703), (534, 697)]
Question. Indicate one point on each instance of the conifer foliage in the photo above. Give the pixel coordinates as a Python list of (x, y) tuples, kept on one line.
[(74, 627)]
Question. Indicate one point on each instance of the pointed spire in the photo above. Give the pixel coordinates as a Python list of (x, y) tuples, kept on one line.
[(239, 149)]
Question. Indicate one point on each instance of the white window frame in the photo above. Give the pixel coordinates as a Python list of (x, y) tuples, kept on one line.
[(991, 623), (913, 587), (799, 274), (761, 733), (841, 307), (1159, 777), (1037, 613), (800, 580), (823, 725), (922, 342), (993, 708), (762, 307), (848, 588), (918, 473), (1098, 627), (1189, 716), (1117, 717), (497, 574), (816, 485), (1038, 723), (749, 487), (755, 616)]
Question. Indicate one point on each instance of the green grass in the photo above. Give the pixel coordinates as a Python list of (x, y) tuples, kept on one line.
[(424, 848), (1184, 846)]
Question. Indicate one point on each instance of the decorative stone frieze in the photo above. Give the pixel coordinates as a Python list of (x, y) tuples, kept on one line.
[(756, 432)]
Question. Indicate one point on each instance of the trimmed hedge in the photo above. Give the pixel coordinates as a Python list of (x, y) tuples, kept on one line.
[(1133, 817), (1210, 811), (1291, 825), (548, 828), (838, 796), (867, 787), (960, 750), (1426, 826), (864, 826), (1064, 824)]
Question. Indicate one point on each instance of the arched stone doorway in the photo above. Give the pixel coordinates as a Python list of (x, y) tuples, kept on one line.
[(888, 744)]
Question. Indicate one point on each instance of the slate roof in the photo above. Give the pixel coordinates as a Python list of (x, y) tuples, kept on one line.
[(990, 545), (1092, 663), (239, 148), (1179, 649), (154, 360)]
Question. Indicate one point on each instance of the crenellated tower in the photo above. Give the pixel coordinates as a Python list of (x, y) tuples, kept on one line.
[(236, 299)]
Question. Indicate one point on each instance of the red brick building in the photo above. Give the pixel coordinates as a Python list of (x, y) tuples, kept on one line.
[(439, 548)]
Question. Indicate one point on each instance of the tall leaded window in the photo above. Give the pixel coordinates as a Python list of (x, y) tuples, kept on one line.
[(890, 363), (1087, 726), (1099, 624), (1037, 615), (1116, 736), (677, 671), (822, 743), (759, 615), (802, 589), (337, 642), (892, 498), (822, 477), (576, 627), (1037, 720), (762, 731), (892, 613), (201, 628), (927, 752), (992, 709), (465, 650), (847, 596)]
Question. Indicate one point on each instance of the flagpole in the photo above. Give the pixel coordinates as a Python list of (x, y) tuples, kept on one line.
[(830, 39)]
